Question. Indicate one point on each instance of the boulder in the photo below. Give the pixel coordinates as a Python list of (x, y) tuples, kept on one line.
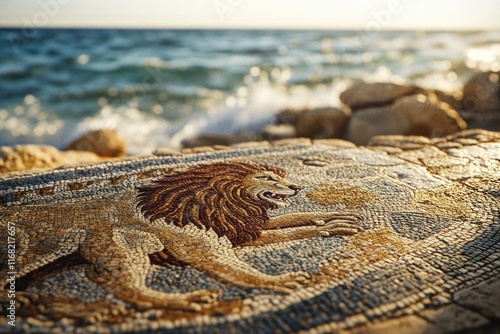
[(217, 139), (417, 115), (104, 142), (244, 136), (278, 131), (322, 122), (454, 99), (207, 139), (481, 94), (369, 95), (288, 116), (26, 157)]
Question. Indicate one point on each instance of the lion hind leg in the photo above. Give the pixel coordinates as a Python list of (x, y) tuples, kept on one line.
[(121, 269), (69, 241)]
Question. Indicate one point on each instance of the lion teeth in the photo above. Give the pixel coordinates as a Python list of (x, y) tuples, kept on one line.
[(279, 197)]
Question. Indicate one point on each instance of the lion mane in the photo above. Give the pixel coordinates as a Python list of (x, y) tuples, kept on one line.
[(211, 197)]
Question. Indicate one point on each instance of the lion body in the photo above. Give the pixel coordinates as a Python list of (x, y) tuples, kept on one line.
[(194, 217)]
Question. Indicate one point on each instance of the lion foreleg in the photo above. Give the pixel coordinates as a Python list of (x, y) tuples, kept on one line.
[(304, 232), (297, 226), (311, 219), (216, 257)]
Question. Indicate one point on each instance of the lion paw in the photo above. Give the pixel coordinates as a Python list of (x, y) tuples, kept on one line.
[(195, 301), (336, 217), (339, 228), (202, 296), (290, 282)]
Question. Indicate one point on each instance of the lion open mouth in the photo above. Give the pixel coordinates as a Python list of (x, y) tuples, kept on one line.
[(279, 199)]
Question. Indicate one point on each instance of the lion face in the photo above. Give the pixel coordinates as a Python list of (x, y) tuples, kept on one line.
[(269, 187)]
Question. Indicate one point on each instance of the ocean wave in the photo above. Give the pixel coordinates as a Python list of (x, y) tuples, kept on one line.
[(249, 109)]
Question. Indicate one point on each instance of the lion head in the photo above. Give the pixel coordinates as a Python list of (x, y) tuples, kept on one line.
[(230, 198)]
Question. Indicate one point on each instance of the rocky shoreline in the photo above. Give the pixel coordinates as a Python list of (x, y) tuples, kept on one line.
[(368, 110), (372, 109)]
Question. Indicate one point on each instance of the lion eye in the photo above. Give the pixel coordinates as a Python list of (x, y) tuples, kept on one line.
[(263, 178)]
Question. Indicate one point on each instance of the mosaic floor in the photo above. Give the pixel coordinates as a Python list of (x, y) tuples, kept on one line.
[(319, 238)]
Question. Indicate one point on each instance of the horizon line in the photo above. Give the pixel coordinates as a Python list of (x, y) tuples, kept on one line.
[(283, 28)]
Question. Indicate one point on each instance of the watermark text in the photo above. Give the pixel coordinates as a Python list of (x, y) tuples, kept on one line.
[(11, 274)]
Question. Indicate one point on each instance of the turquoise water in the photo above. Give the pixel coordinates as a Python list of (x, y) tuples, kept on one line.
[(161, 86)]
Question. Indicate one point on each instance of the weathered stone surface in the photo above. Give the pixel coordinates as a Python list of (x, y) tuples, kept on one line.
[(251, 144), (104, 142), (483, 298), (335, 143), (453, 318), (410, 324), (481, 94), (288, 116), (278, 131), (25, 157), (245, 136), (213, 139), (165, 151), (322, 123), (454, 100), (207, 139), (291, 141), (403, 142), (429, 116), (198, 149), (368, 95), (412, 115), (371, 241)]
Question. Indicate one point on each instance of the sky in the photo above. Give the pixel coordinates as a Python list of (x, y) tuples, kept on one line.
[(254, 14)]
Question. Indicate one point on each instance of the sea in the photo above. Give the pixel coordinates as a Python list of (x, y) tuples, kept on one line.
[(159, 87)]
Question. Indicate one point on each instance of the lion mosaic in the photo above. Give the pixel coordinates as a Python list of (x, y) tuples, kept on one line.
[(199, 217)]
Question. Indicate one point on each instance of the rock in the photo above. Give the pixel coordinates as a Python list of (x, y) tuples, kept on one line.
[(334, 143), (322, 123), (409, 324), (374, 95), (198, 149), (454, 100), (79, 157), (104, 142), (483, 297), (207, 139), (25, 157), (251, 144), (216, 139), (245, 136), (453, 318), (278, 131), (288, 116), (481, 94), (291, 142), (165, 152), (473, 134), (398, 141), (316, 123), (416, 115)]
